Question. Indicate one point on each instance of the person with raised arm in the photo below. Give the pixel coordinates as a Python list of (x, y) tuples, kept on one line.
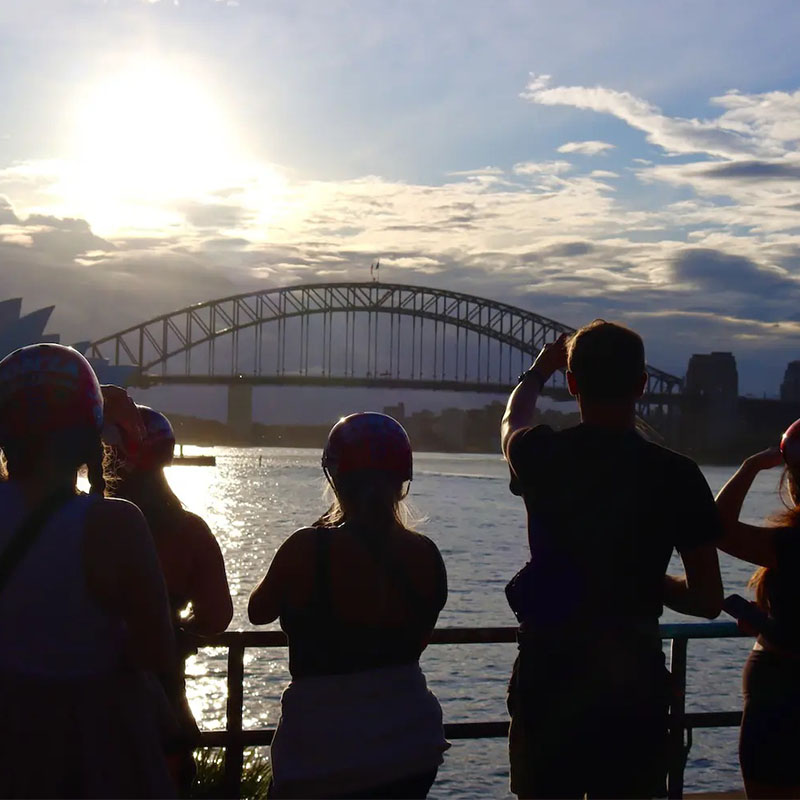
[(83, 608), (358, 595), (589, 692), (190, 557), (770, 731)]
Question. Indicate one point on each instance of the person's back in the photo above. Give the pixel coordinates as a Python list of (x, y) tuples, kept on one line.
[(82, 603), (363, 604), (49, 623), (605, 509), (358, 595), (191, 562)]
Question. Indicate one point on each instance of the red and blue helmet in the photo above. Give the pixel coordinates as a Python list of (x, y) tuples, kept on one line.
[(790, 444), (48, 388), (368, 441), (156, 447)]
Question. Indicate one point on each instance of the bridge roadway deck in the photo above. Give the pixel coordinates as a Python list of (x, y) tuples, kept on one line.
[(379, 382)]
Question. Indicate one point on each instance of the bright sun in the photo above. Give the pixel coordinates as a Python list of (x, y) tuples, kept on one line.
[(145, 137)]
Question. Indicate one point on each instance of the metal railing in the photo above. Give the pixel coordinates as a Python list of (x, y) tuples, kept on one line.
[(234, 738)]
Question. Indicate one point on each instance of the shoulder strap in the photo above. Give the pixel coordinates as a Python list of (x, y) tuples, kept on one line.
[(321, 599), (28, 533), (399, 577)]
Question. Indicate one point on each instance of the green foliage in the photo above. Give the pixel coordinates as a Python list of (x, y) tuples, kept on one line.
[(208, 785)]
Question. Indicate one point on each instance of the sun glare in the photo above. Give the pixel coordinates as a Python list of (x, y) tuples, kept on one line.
[(145, 137)]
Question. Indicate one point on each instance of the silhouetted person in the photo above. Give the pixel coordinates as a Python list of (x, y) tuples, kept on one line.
[(589, 692), (770, 734), (191, 560), (358, 596), (83, 608)]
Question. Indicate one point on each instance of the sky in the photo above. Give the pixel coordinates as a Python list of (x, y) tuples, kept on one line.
[(633, 161)]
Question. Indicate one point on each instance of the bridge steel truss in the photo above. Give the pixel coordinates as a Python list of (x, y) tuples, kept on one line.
[(364, 334)]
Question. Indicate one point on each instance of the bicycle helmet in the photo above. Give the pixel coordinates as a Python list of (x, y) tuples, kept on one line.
[(46, 389), (368, 441), (790, 444)]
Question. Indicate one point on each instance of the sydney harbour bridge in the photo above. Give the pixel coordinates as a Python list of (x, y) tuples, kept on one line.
[(369, 334)]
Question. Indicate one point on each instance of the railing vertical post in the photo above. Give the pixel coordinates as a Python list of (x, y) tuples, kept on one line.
[(677, 752), (234, 750)]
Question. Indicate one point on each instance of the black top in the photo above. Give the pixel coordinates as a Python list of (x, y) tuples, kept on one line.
[(320, 643), (605, 510), (783, 587)]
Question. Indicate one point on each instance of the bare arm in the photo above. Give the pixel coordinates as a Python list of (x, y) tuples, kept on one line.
[(699, 593), (212, 609), (522, 401), (124, 577), (267, 599), (747, 542)]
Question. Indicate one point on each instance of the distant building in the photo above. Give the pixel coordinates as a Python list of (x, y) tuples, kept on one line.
[(398, 412), (710, 410), (712, 375), (17, 331), (790, 388)]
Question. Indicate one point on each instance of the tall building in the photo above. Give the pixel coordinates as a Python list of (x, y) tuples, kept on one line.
[(790, 388), (710, 413), (712, 375)]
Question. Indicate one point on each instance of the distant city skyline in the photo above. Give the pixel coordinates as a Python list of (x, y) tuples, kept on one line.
[(633, 161)]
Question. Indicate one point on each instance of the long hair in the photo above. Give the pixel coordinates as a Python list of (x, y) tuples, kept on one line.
[(371, 497), (150, 490), (69, 450), (789, 491)]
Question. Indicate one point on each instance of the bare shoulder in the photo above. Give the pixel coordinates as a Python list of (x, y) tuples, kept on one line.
[(300, 542), (117, 516), (196, 529)]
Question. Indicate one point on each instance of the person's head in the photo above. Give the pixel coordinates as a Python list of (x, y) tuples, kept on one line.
[(605, 364), (789, 491), (51, 415), (367, 460), (139, 467)]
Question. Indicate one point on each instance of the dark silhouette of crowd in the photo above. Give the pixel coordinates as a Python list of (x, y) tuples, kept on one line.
[(104, 594)]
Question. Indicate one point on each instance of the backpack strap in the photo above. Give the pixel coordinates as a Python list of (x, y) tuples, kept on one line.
[(25, 536)]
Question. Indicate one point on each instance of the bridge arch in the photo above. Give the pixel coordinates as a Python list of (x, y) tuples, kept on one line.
[(384, 356)]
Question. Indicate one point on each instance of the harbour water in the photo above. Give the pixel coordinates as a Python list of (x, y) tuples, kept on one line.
[(254, 498)]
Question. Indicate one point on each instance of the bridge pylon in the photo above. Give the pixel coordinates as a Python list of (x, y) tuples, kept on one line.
[(240, 409)]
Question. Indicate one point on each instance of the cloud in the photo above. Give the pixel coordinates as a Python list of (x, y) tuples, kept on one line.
[(729, 136), (716, 271), (542, 167), (588, 148)]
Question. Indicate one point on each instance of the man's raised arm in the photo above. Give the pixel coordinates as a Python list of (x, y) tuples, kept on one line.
[(522, 402)]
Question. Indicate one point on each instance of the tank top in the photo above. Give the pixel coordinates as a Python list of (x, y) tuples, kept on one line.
[(49, 625), (320, 643)]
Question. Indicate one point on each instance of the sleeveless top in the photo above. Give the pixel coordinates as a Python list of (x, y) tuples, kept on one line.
[(49, 625), (320, 643)]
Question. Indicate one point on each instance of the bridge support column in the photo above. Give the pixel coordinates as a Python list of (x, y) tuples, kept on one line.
[(240, 409)]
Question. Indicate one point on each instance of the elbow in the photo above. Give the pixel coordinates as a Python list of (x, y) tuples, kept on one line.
[(711, 607), (257, 613), (213, 622)]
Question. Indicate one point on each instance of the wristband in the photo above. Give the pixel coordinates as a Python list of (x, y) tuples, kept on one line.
[(533, 372)]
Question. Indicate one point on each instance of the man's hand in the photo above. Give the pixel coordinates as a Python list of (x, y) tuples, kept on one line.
[(553, 357)]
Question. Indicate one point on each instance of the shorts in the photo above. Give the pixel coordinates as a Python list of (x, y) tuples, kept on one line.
[(769, 739), (579, 728)]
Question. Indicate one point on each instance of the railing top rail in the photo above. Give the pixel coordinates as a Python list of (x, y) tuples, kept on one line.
[(464, 635)]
